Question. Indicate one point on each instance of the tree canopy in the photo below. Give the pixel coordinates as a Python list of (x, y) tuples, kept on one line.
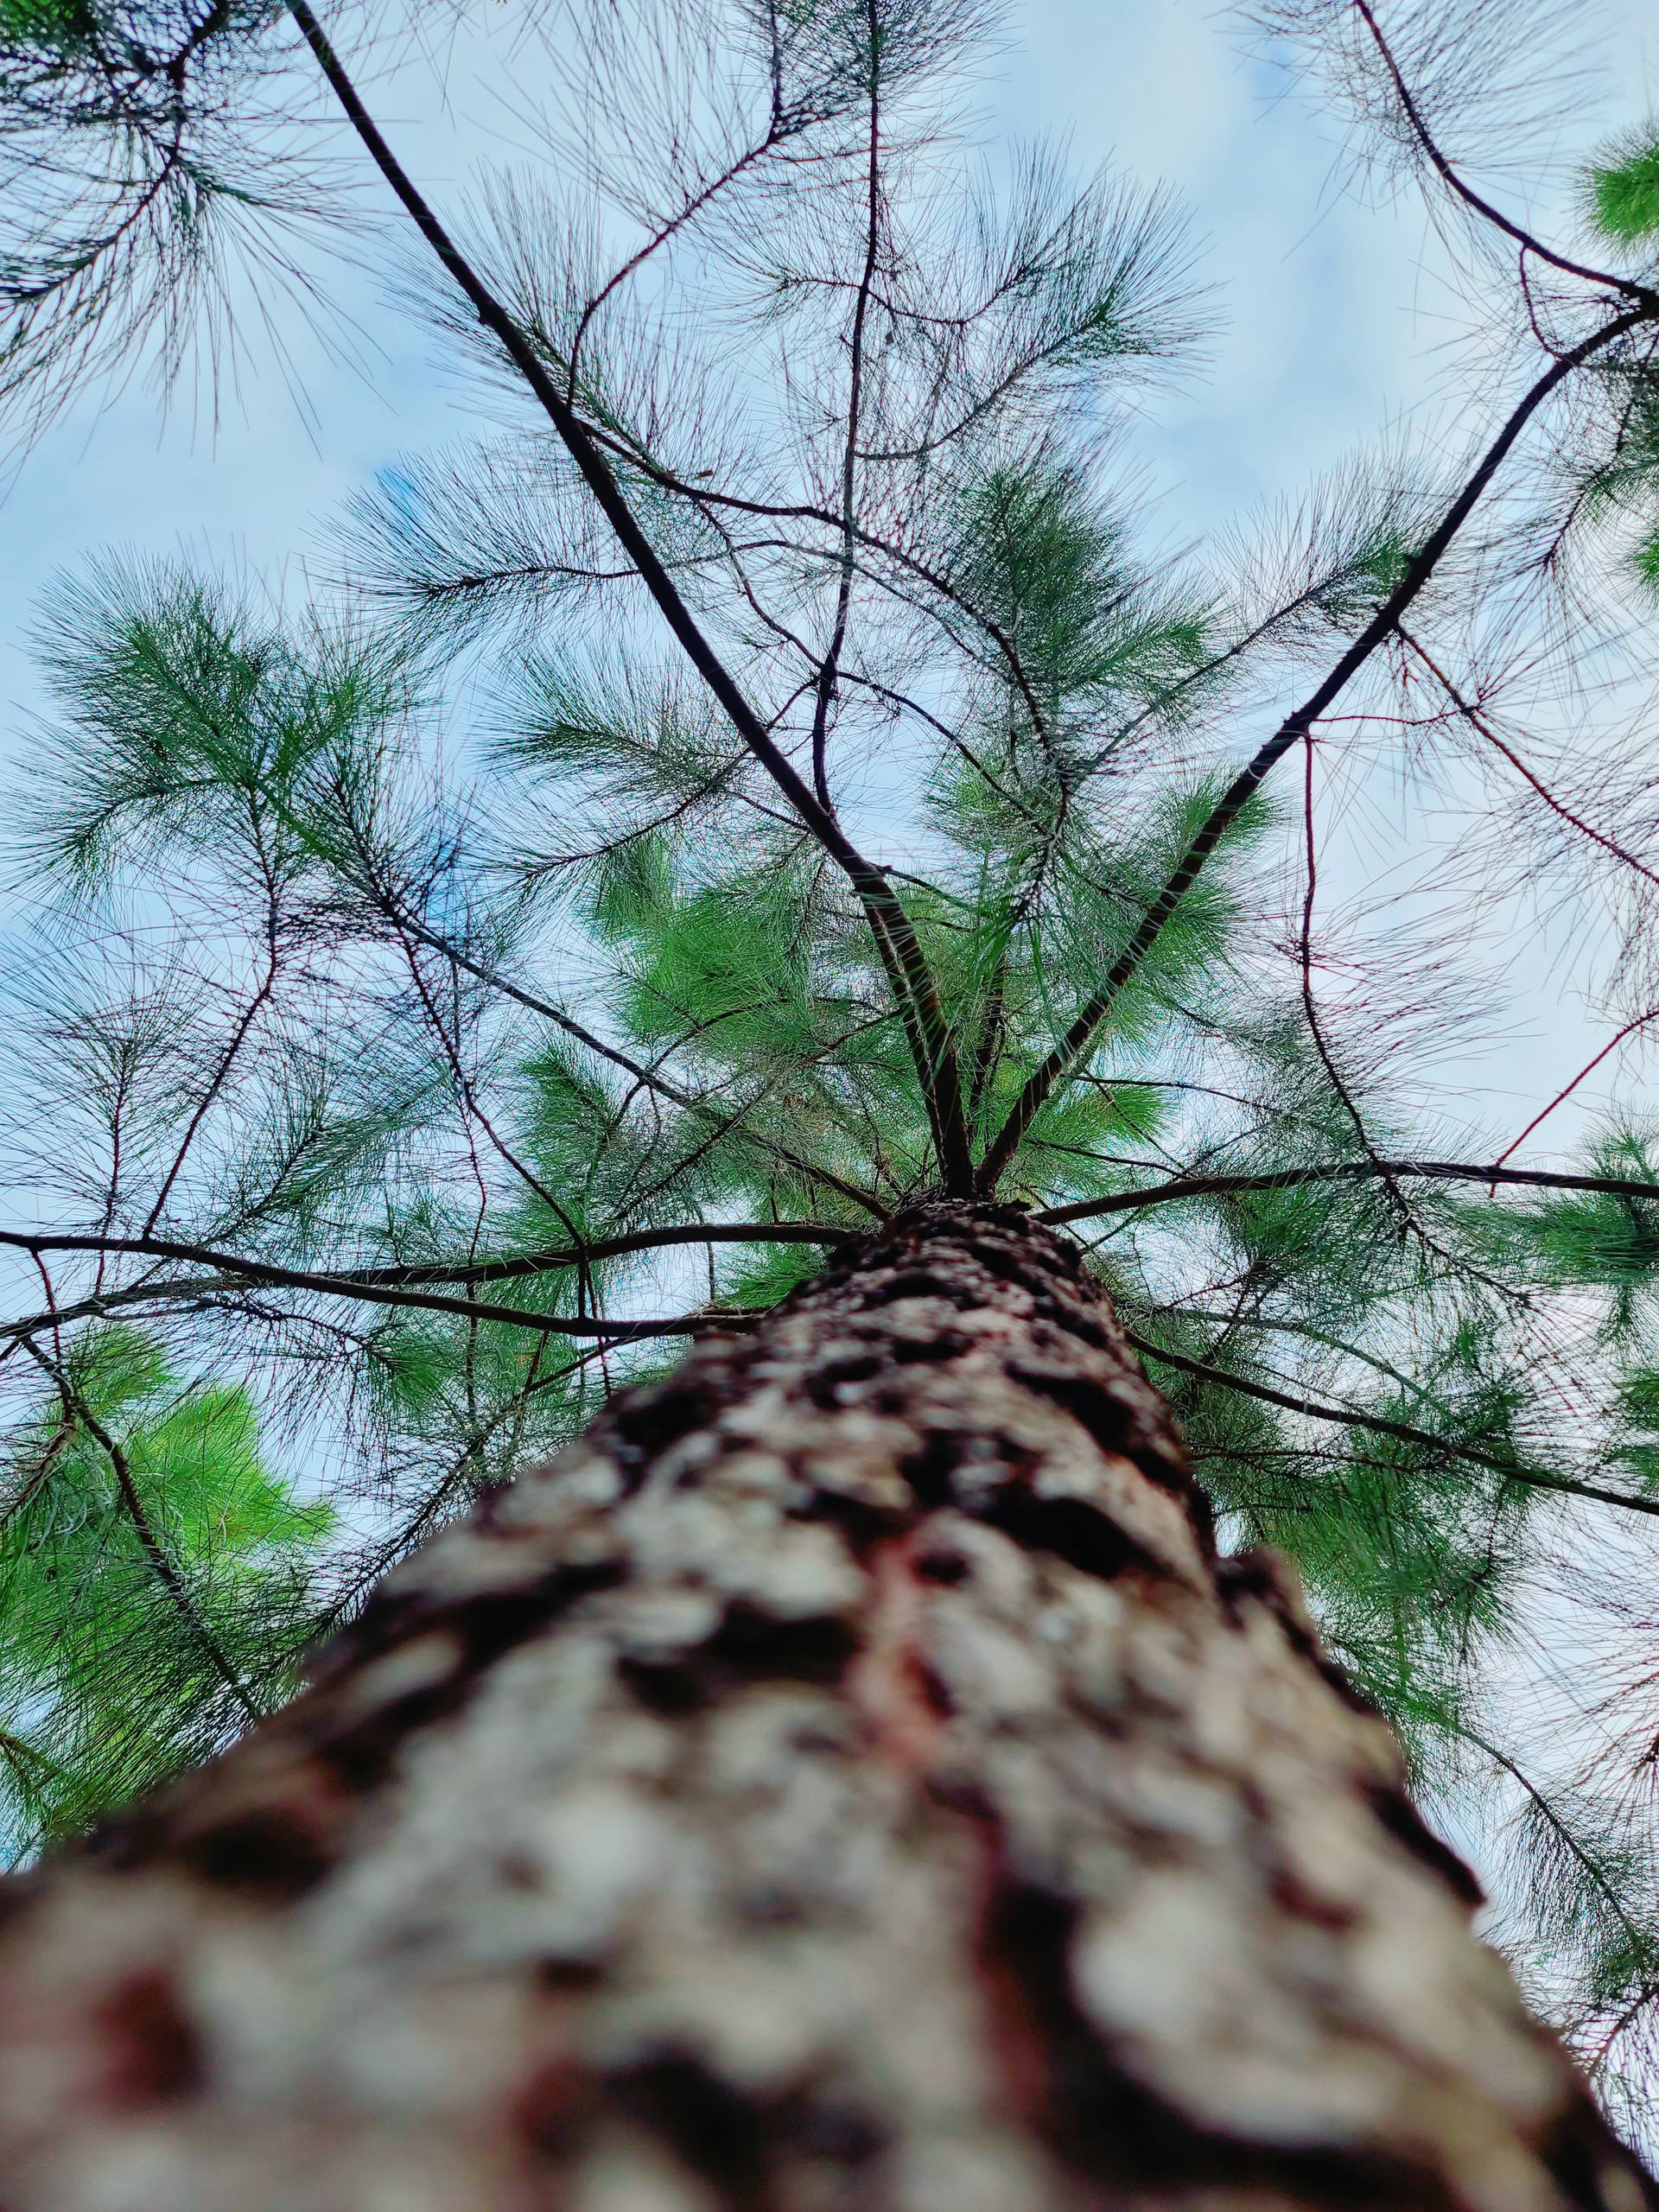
[(775, 771)]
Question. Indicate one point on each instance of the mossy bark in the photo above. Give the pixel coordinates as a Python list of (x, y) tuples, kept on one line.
[(847, 1778)]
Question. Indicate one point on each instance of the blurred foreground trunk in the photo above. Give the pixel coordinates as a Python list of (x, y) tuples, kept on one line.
[(847, 1781)]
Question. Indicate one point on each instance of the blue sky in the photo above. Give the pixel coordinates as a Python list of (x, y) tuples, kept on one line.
[(1330, 307), (1334, 315)]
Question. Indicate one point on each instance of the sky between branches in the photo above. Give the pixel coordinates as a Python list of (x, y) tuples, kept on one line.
[(1335, 314)]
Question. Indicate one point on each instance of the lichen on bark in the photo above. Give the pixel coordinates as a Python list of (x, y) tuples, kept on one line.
[(848, 1777)]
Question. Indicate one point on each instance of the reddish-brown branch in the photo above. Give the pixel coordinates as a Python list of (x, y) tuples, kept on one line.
[(1588, 1069), (1476, 201), (830, 667), (1479, 722)]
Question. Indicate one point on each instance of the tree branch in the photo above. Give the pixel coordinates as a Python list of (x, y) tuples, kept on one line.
[(1408, 1220), (649, 1077), (339, 1286), (227, 1059), (936, 1068), (373, 1283), (1244, 785), (1642, 294), (154, 1550), (1380, 1425), (704, 496), (1480, 722), (1557, 1825), (1637, 1021), (1339, 1171)]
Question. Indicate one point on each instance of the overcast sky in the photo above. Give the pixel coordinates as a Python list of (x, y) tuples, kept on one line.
[(1334, 311)]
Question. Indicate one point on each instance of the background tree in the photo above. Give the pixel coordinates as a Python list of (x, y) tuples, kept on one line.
[(857, 836)]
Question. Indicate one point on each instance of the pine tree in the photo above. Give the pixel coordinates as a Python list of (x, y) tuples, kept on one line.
[(904, 1749)]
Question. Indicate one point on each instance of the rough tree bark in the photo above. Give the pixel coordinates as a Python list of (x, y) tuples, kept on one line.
[(847, 1778)]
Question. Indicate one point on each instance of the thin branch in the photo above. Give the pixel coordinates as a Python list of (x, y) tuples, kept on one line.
[(1304, 962), (1307, 597), (1274, 1325), (467, 1093), (54, 1449), (1557, 1825), (1647, 298), (1408, 1221), (154, 1550), (1341, 1171), (20, 1757), (648, 1077), (221, 1076), (936, 1068), (1639, 1021), (704, 496), (1243, 787), (395, 1547), (987, 401), (688, 212), (341, 1285), (1380, 1425), (825, 687), (1479, 720)]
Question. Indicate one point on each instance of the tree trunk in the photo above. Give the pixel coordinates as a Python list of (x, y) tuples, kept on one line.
[(846, 1780)]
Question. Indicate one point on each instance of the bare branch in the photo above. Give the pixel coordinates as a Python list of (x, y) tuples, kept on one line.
[(236, 1269), (155, 1551), (1343, 1171), (1408, 1220), (649, 1077), (231, 1270), (238, 1037), (1481, 722), (1637, 1021)]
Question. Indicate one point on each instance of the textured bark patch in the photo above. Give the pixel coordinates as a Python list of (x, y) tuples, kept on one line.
[(902, 1703), (1099, 2120), (1079, 1534), (325, 1757), (647, 1421), (720, 2135), (152, 2056), (275, 1853), (846, 1780), (1407, 1825), (749, 1647)]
